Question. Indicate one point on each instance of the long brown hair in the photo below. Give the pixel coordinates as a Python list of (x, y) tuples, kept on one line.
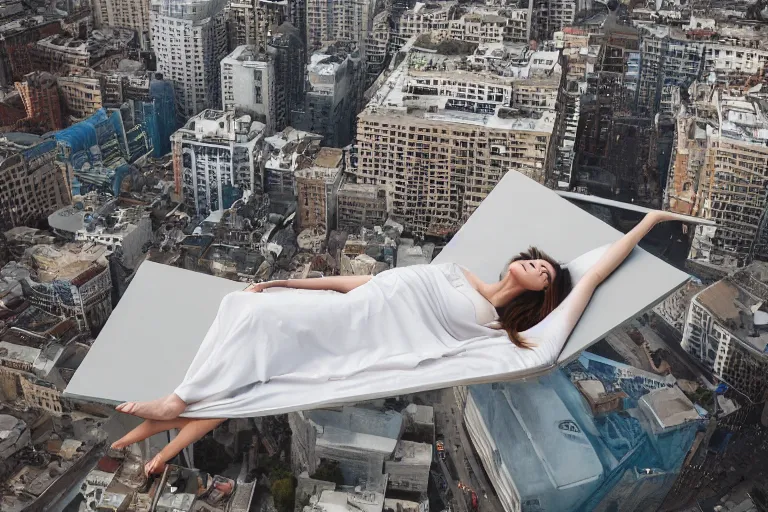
[(530, 307)]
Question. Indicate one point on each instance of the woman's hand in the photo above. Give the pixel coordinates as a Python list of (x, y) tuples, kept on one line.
[(659, 216), (257, 287)]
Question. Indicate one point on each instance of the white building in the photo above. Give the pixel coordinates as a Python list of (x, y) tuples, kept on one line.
[(248, 85), (216, 159), (727, 329), (189, 38)]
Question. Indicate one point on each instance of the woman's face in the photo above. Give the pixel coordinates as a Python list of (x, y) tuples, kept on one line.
[(532, 275)]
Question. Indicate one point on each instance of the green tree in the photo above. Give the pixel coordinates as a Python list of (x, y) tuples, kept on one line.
[(284, 494), (329, 471)]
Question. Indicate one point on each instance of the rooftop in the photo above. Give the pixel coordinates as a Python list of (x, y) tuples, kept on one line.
[(735, 300), (247, 53), (668, 407), (405, 93)]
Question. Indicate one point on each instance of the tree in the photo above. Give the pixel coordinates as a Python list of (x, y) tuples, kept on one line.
[(284, 494), (329, 471)]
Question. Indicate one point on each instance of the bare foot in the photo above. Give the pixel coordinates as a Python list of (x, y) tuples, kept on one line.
[(156, 465), (166, 408)]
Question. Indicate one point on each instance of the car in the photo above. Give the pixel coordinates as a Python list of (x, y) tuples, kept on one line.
[(475, 503)]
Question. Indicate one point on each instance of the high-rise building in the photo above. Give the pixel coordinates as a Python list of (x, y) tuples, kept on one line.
[(216, 158), (377, 48), (82, 95), (669, 59), (334, 77), (440, 135), (31, 187), (727, 330), (361, 205), (132, 14), (189, 38), (40, 95), (329, 20), (289, 55), (718, 171), (423, 19), (248, 85), (252, 22), (316, 190), (550, 16)]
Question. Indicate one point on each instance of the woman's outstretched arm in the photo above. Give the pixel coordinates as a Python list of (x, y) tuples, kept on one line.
[(341, 284), (557, 327)]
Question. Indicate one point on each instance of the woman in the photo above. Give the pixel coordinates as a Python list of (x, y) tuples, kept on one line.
[(315, 338)]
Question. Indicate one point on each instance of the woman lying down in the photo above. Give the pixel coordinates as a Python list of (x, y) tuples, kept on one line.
[(360, 329)]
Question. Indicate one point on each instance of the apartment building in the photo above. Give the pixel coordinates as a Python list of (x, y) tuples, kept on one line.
[(669, 60), (252, 22), (550, 16), (718, 171), (216, 158), (440, 136), (31, 187), (248, 85), (63, 54), (726, 329), (316, 191), (329, 20), (361, 204), (18, 36), (376, 48), (189, 38), (81, 95), (131, 14), (334, 78), (40, 94), (288, 53), (423, 19), (482, 25)]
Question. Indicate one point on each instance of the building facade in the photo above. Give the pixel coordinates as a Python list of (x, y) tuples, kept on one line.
[(334, 78), (726, 329), (189, 38), (40, 94), (131, 14), (316, 190), (82, 95), (216, 158), (441, 136), (361, 205), (31, 187), (248, 85)]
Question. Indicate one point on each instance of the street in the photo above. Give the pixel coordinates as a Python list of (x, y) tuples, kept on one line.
[(450, 424)]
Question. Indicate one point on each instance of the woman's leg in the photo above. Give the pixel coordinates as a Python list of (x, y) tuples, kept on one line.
[(147, 429), (166, 408), (193, 431)]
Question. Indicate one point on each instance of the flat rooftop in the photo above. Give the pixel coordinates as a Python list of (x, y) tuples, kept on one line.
[(732, 300)]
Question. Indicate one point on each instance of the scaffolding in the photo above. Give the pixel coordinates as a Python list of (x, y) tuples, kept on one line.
[(97, 152)]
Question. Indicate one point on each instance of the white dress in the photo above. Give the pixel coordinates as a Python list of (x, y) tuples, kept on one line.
[(289, 349)]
